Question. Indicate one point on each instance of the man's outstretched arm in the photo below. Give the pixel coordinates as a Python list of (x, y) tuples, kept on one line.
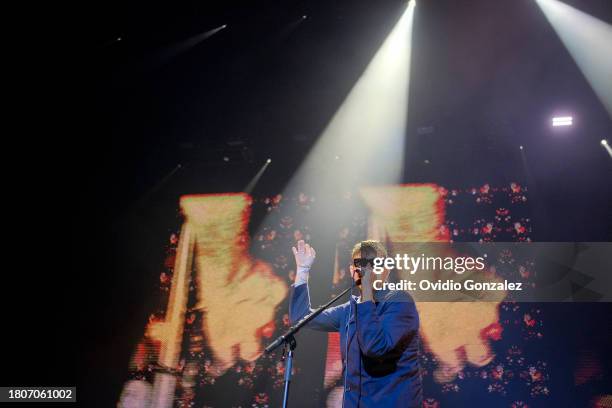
[(299, 304)]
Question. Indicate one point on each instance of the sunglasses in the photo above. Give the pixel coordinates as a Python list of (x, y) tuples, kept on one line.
[(363, 262)]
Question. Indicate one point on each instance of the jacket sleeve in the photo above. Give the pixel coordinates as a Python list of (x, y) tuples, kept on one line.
[(299, 306), (380, 334)]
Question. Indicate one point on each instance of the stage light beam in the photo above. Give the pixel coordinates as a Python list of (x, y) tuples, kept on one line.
[(368, 128), (606, 146), (588, 40), (251, 185), (176, 49)]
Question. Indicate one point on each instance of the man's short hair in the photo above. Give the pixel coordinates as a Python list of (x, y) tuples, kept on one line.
[(369, 249)]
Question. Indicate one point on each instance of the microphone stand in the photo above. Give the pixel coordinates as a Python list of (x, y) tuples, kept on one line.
[(289, 341)]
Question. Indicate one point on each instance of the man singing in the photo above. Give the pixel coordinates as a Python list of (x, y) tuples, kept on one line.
[(379, 332)]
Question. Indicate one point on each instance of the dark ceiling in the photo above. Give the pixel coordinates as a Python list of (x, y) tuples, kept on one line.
[(486, 76)]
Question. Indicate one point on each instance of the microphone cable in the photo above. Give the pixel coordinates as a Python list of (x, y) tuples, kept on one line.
[(352, 310)]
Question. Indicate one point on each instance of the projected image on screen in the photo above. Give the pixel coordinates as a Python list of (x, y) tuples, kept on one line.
[(223, 295)]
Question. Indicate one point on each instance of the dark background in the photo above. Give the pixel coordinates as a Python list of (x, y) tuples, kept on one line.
[(486, 76)]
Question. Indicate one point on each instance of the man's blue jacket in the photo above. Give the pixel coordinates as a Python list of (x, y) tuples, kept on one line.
[(383, 345)]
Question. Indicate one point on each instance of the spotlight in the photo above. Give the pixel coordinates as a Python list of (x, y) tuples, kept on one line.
[(225, 158), (562, 121), (304, 17), (118, 38), (521, 147), (249, 187), (605, 145), (224, 26), (587, 39)]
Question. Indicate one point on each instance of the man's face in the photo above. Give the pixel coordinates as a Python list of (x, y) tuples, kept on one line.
[(364, 262), (355, 269)]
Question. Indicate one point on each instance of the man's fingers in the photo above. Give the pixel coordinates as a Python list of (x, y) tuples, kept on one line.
[(310, 251), (304, 248)]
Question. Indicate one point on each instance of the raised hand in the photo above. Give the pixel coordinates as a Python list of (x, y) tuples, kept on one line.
[(304, 255)]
